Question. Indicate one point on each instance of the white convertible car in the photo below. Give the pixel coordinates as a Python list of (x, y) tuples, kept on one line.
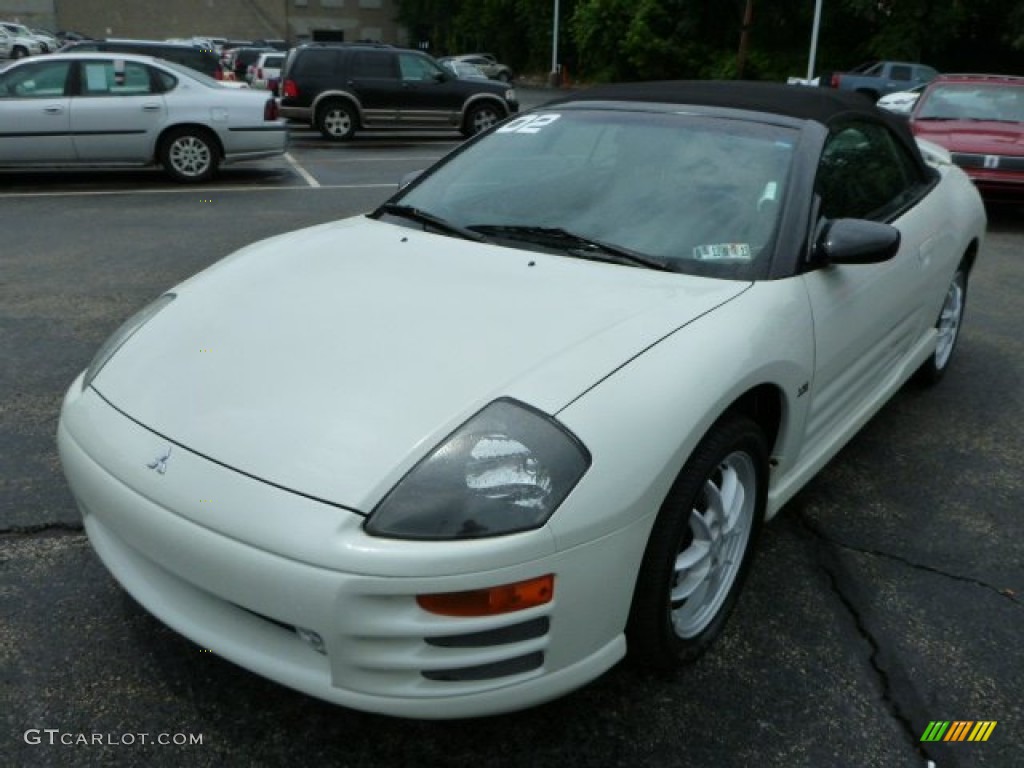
[(458, 456)]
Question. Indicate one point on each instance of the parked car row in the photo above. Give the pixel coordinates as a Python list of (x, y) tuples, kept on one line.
[(975, 120), (17, 42), (138, 102)]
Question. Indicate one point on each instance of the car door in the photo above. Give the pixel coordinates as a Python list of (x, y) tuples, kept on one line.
[(374, 78), (35, 105), (117, 112), (430, 97), (868, 317)]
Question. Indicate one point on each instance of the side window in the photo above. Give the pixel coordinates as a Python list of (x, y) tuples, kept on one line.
[(417, 68), (44, 80), (165, 81), (900, 72), (374, 65), (865, 173), (115, 77), (317, 62)]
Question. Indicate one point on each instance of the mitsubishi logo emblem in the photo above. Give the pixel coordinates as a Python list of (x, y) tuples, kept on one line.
[(160, 462)]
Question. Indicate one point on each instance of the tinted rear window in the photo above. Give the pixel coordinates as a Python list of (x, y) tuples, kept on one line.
[(315, 61)]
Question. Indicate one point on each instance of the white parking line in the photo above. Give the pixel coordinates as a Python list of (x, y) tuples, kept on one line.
[(397, 159), (202, 191), (300, 170)]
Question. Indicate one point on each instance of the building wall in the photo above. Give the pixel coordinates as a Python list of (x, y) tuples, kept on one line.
[(293, 20), (159, 19), (35, 13), (358, 19)]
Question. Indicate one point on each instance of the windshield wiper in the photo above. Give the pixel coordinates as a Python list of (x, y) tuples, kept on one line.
[(428, 219), (574, 244)]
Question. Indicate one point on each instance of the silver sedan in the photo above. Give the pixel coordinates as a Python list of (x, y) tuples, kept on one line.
[(105, 109)]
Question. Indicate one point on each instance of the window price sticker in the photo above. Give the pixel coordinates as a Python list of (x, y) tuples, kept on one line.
[(723, 252)]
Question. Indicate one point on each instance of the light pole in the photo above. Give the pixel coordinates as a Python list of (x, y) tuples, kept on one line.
[(553, 77), (814, 40)]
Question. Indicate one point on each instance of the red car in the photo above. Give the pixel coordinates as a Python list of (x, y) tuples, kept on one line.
[(980, 120)]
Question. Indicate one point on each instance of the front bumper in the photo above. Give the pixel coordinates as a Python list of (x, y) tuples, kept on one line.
[(167, 538), (1005, 178)]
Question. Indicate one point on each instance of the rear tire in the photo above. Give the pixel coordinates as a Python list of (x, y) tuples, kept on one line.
[(189, 155), (700, 548)]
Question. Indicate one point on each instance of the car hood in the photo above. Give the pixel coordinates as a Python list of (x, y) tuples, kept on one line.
[(982, 137), (329, 360)]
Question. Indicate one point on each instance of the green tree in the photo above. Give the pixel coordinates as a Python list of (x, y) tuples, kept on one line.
[(670, 39)]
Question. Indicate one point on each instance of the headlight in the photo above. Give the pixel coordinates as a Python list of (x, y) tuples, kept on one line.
[(505, 470), (121, 335)]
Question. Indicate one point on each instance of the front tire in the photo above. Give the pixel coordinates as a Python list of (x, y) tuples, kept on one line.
[(336, 121), (189, 155), (19, 53), (480, 118), (701, 547), (947, 329)]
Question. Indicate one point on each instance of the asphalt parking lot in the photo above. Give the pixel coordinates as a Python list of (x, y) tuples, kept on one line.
[(886, 596)]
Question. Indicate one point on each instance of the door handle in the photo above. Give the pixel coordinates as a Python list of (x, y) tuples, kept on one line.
[(150, 107), (53, 110)]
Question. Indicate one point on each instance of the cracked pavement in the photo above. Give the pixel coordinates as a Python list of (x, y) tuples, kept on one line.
[(888, 594)]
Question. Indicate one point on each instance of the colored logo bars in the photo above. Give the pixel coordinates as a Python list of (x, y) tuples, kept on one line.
[(958, 730)]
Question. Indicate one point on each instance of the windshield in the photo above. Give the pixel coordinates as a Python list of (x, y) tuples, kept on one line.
[(689, 193), (973, 101)]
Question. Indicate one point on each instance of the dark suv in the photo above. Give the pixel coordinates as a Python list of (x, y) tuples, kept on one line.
[(340, 88), (200, 59)]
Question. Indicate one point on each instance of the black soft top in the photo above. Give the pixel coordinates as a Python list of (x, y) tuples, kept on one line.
[(802, 102), (822, 105)]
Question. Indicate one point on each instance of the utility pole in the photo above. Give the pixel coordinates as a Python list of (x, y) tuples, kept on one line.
[(814, 40), (553, 77), (741, 57)]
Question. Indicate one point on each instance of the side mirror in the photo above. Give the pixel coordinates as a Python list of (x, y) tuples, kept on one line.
[(855, 241)]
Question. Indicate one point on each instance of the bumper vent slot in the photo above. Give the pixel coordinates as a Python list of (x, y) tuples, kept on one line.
[(527, 630), (503, 668)]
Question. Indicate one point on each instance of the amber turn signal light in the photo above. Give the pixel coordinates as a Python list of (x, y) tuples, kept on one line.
[(492, 601)]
